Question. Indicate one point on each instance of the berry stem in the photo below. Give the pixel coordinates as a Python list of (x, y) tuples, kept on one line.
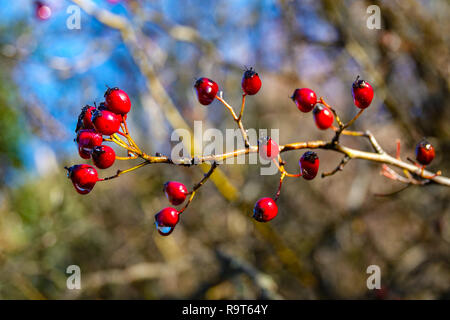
[(187, 203), (242, 106), (338, 120), (120, 172), (236, 118), (116, 139), (354, 119), (126, 134), (205, 177), (199, 184), (124, 125), (127, 158), (279, 163), (277, 195)]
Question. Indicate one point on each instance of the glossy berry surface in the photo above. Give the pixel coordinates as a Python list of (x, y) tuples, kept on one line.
[(323, 117), (84, 154), (251, 82), (424, 152), (117, 101), (106, 122), (83, 177), (87, 139), (305, 99), (207, 90), (268, 149), (167, 217), (309, 165), (176, 192), (85, 118), (362, 93), (103, 156), (265, 210)]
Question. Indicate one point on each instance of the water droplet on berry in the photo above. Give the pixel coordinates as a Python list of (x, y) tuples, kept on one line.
[(163, 230)]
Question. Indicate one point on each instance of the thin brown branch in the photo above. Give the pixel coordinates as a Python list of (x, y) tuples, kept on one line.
[(236, 118), (340, 167)]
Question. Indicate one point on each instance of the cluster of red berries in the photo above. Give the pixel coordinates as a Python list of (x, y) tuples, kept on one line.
[(306, 100), (266, 208), (207, 89), (94, 123), (167, 218), (105, 120)]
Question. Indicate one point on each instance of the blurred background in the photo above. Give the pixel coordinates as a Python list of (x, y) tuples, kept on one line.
[(328, 231)]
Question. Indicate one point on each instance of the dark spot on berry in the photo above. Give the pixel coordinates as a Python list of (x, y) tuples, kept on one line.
[(249, 73), (359, 83), (108, 91), (310, 156)]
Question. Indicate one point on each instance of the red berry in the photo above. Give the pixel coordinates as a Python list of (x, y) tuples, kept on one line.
[(106, 122), (309, 165), (85, 118), (265, 210), (305, 99), (103, 156), (362, 93), (117, 101), (166, 220), (251, 83), (176, 192), (83, 177), (87, 139), (268, 149), (323, 117), (43, 12), (84, 154), (206, 90), (424, 152)]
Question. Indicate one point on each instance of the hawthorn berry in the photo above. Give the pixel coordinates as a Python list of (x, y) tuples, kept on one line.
[(83, 177), (323, 117), (424, 152), (85, 118), (305, 99), (309, 165), (268, 149), (106, 122), (206, 90), (117, 101), (43, 12), (265, 210), (103, 156), (251, 82), (84, 154), (176, 192), (87, 139), (166, 220), (362, 93)]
